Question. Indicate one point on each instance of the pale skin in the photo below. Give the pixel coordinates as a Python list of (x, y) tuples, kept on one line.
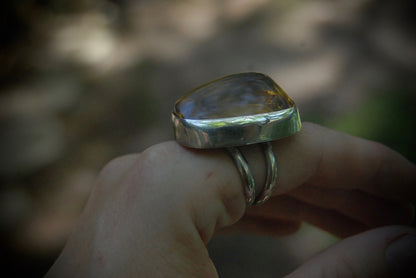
[(152, 214)]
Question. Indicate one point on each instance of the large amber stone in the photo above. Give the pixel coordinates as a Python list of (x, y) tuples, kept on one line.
[(232, 96)]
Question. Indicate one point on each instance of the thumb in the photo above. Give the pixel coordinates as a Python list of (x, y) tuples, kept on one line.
[(382, 252)]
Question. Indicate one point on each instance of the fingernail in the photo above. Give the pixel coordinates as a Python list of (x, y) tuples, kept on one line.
[(401, 256)]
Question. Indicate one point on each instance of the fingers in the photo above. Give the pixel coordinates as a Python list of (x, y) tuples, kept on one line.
[(208, 183), (340, 212), (323, 157), (286, 207), (368, 209), (167, 202), (341, 165), (383, 252), (179, 181), (150, 215), (261, 225), (115, 169)]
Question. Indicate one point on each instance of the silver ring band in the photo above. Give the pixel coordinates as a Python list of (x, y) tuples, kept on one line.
[(248, 178), (271, 174), (245, 173)]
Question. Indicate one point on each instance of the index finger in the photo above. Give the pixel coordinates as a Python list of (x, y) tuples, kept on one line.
[(323, 157)]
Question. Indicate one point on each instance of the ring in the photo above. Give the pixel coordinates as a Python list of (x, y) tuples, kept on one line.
[(233, 111)]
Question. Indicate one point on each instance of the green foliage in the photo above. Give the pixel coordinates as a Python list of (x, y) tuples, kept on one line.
[(388, 118)]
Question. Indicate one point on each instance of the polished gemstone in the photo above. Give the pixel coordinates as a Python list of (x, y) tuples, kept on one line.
[(235, 95)]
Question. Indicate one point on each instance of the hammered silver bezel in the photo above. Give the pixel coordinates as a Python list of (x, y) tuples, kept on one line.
[(236, 131)]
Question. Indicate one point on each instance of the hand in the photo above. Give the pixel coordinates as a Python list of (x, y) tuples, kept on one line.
[(151, 214)]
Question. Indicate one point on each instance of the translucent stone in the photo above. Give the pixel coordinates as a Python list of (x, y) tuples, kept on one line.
[(231, 96)]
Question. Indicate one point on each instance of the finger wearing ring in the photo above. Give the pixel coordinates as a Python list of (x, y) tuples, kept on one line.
[(234, 111)]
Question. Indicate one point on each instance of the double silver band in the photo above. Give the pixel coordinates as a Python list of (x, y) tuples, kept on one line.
[(248, 178)]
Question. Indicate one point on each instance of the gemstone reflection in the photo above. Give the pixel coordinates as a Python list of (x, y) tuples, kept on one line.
[(232, 96)]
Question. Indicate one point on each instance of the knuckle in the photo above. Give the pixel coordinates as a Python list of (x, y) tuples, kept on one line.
[(160, 153), (114, 170)]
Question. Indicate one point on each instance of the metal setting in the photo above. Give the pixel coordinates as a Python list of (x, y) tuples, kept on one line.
[(236, 131), (220, 114)]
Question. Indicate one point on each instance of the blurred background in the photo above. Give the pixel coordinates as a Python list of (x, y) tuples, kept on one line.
[(84, 81)]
